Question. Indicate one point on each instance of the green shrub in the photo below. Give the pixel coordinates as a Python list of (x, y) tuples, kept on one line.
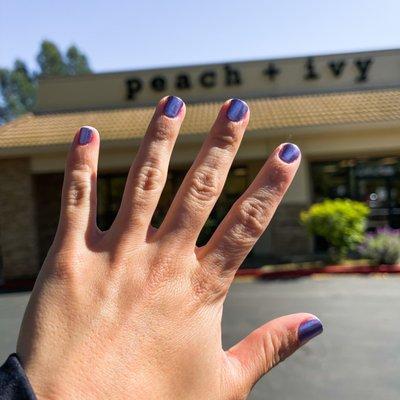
[(382, 247), (341, 222)]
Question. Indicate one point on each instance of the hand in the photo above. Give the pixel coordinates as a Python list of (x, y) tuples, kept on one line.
[(135, 312)]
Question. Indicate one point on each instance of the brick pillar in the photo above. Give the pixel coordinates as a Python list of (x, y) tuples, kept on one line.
[(18, 238)]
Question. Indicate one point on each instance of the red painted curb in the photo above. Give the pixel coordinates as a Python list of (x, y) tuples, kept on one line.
[(331, 269)]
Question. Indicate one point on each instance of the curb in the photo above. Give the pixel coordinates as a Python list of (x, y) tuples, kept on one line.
[(262, 273)]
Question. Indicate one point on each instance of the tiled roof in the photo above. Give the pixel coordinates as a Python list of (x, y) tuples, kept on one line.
[(266, 114)]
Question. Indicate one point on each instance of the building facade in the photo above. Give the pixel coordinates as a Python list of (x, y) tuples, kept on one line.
[(342, 110)]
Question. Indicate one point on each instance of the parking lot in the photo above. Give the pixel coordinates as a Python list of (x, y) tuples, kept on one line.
[(357, 357)]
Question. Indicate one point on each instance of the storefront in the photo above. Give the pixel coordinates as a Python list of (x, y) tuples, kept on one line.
[(374, 181), (342, 110)]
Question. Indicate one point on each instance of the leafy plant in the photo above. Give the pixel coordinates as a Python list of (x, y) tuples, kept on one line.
[(382, 247), (341, 222)]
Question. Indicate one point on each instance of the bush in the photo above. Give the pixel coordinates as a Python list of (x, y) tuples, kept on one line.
[(382, 247), (341, 222)]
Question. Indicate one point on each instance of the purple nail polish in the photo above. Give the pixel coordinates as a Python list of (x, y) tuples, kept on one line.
[(309, 329), (85, 135), (289, 153), (237, 110), (173, 106)]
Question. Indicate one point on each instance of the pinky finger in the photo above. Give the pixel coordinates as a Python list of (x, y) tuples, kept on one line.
[(251, 214), (79, 200)]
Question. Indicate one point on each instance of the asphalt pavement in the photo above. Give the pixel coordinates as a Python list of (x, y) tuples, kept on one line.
[(356, 358)]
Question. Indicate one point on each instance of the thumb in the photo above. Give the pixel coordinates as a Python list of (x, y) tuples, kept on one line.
[(270, 344)]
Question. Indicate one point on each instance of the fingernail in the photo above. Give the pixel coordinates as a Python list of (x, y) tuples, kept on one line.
[(85, 135), (289, 153), (310, 329), (173, 106), (237, 110)]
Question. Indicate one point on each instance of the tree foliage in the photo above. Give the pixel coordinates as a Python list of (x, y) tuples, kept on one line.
[(76, 62), (50, 60), (18, 91), (341, 222), (18, 85)]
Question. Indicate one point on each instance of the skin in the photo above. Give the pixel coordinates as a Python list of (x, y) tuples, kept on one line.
[(135, 312)]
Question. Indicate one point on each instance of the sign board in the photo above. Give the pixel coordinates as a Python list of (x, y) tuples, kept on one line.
[(217, 82)]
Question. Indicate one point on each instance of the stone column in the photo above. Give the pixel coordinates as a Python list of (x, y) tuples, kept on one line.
[(18, 231), (289, 239), (285, 238)]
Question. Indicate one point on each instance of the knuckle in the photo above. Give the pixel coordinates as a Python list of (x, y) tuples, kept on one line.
[(278, 179), (79, 187), (149, 177), (63, 270), (252, 217), (228, 138), (204, 186), (163, 132), (162, 271), (208, 285), (276, 348), (271, 350), (65, 267)]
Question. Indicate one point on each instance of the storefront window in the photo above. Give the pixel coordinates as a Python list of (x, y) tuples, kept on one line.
[(375, 182), (110, 191), (236, 184)]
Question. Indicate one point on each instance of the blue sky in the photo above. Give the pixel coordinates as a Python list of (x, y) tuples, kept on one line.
[(121, 35)]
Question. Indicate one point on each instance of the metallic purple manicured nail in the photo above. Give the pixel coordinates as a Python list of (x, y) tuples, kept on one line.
[(237, 110), (85, 135), (310, 329), (173, 106), (289, 153)]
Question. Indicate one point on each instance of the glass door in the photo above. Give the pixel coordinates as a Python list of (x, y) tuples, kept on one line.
[(394, 199), (376, 193)]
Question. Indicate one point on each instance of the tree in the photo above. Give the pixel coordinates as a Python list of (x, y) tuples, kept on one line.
[(50, 60), (18, 86), (76, 62), (18, 91)]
